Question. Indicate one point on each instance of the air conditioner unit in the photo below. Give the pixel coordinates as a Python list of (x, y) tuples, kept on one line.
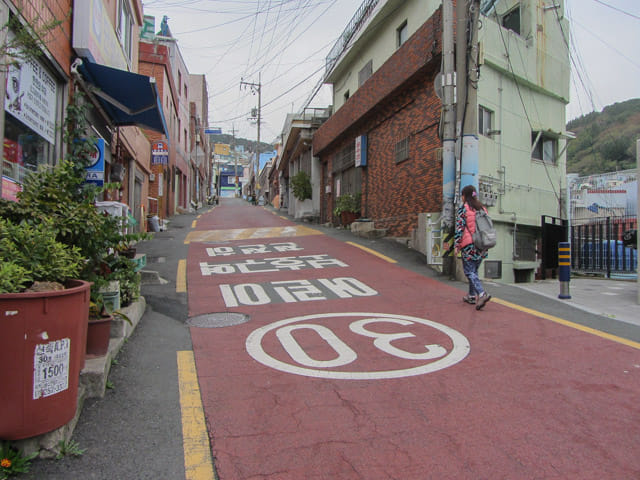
[(152, 177)]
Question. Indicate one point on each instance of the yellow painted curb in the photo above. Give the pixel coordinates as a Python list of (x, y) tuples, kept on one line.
[(373, 252), (577, 326), (198, 462)]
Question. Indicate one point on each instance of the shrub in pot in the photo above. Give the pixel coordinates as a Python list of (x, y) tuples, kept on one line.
[(347, 208)]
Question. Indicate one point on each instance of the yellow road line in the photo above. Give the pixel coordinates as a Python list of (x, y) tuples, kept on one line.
[(373, 252), (193, 224), (567, 323), (198, 462), (181, 276)]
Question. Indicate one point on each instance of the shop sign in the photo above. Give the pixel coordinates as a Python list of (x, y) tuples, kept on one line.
[(361, 151), (31, 97), (95, 171), (159, 153)]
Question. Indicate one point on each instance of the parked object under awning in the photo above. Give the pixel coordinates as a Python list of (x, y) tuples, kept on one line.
[(127, 98)]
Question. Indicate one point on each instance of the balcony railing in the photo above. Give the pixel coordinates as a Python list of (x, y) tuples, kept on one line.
[(352, 28)]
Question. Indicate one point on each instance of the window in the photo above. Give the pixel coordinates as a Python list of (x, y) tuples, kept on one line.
[(365, 73), (402, 150), (346, 96), (345, 158), (179, 128), (179, 83), (29, 135), (402, 33), (185, 90), (484, 120), (511, 20), (125, 26), (544, 148)]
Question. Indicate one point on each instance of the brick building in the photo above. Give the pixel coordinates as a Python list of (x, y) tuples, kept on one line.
[(398, 111)]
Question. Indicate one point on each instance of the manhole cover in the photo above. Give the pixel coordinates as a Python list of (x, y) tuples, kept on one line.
[(216, 320)]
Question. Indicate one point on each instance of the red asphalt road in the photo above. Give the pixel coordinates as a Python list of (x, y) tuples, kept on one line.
[(532, 399)]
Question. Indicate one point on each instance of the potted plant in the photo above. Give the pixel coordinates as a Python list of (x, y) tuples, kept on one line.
[(347, 208), (53, 234), (44, 328)]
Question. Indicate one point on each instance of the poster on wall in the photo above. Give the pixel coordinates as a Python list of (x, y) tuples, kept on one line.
[(31, 97)]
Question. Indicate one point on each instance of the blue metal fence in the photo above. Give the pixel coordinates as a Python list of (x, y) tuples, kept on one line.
[(597, 247)]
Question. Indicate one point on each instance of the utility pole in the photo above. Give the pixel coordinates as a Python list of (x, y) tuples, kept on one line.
[(448, 77), (449, 116), (467, 99), (235, 157), (256, 88)]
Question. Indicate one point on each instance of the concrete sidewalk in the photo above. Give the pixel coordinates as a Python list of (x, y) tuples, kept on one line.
[(614, 299)]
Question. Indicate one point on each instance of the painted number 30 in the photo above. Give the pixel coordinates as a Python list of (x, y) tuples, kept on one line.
[(305, 365)]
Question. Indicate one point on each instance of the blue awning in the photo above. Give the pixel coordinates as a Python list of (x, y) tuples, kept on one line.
[(127, 98)]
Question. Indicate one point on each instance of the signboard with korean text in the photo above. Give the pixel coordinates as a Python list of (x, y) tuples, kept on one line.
[(159, 153), (31, 97), (361, 151)]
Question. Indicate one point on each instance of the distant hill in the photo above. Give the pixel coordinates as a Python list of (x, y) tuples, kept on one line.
[(605, 141)]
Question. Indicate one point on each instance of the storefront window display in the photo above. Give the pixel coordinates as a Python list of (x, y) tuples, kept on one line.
[(29, 128)]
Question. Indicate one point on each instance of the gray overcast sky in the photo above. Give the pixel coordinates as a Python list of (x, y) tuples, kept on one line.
[(286, 42)]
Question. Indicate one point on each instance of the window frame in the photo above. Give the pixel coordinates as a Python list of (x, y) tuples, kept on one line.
[(509, 15), (365, 73), (401, 150), (539, 148), (125, 32), (483, 113), (402, 34)]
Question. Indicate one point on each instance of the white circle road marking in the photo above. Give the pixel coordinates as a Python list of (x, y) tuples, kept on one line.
[(253, 345)]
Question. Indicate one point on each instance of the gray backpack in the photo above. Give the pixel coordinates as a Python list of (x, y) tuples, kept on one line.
[(484, 237)]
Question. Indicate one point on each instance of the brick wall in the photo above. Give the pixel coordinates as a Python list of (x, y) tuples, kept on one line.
[(397, 102), (58, 40)]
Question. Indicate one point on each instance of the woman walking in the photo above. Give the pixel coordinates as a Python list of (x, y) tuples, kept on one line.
[(471, 257)]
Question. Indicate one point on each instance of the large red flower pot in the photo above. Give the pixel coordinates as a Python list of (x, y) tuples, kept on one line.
[(42, 348)]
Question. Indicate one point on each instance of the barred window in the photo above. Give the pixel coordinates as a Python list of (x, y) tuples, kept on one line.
[(345, 158), (402, 150)]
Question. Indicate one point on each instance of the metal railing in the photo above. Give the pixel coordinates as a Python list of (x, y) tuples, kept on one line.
[(352, 28), (597, 247)]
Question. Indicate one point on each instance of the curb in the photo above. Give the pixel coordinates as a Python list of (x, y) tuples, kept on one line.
[(92, 384)]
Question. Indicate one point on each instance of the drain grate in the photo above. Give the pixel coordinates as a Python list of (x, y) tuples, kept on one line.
[(216, 320)]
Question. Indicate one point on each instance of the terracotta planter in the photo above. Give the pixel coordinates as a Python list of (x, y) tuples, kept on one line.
[(42, 349), (347, 218), (98, 335)]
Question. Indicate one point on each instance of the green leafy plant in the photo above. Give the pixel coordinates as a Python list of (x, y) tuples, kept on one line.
[(347, 203), (33, 252), (59, 197), (301, 183), (109, 385), (12, 461), (67, 448)]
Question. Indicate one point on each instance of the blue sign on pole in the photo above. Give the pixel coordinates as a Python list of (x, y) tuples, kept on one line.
[(95, 171), (210, 131)]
